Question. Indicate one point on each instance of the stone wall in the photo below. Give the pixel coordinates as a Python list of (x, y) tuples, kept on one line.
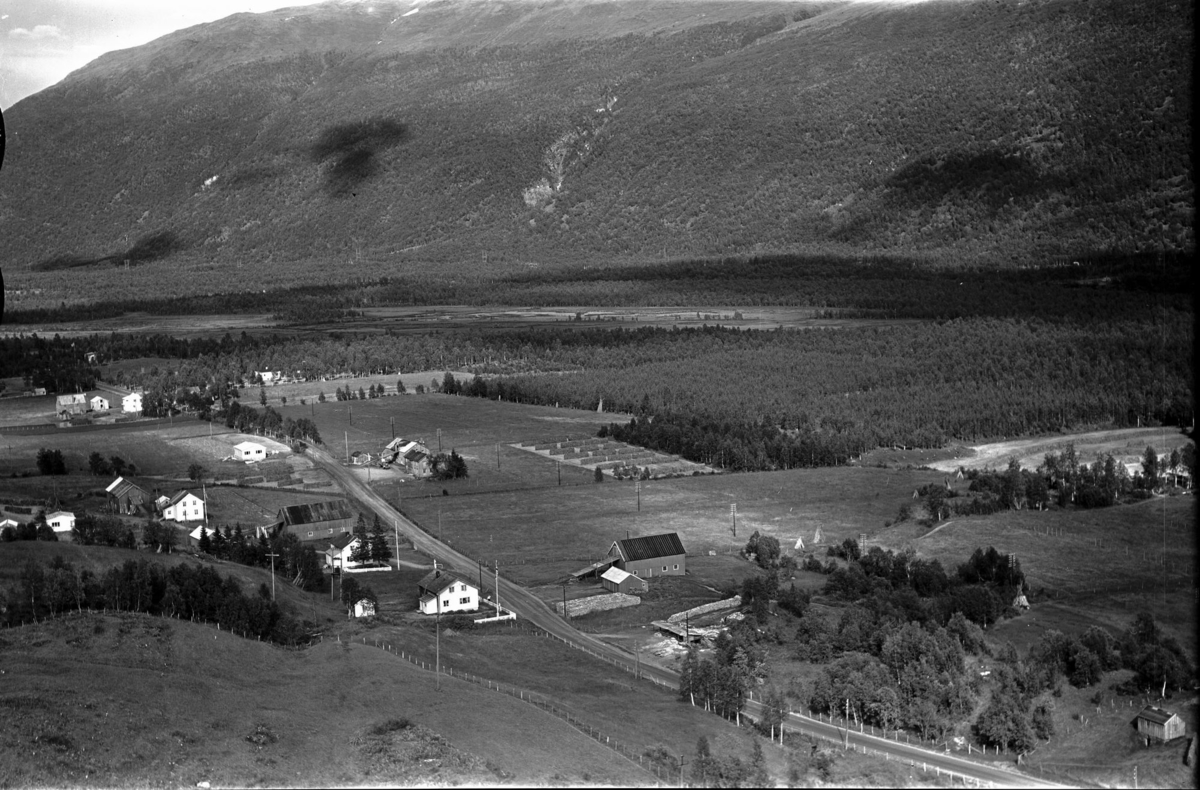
[(728, 603), (598, 603)]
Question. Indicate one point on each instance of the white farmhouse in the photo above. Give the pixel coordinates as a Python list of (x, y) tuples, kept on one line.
[(249, 451), (339, 551), (444, 592), (132, 403), (184, 506)]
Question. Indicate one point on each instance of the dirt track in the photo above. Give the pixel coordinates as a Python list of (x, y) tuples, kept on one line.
[(1127, 444)]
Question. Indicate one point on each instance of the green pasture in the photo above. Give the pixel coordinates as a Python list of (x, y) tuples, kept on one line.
[(541, 534)]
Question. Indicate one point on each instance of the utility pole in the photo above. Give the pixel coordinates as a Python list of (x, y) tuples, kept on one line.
[(346, 438), (439, 435), (498, 610), (733, 515), (396, 526), (566, 614), (437, 630), (638, 487), (682, 762), (846, 732), (272, 555)]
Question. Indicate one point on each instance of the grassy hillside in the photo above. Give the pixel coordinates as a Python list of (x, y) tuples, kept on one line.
[(334, 142), (133, 700)]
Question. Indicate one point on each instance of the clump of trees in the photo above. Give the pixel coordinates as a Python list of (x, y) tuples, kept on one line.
[(194, 592), (51, 462), (372, 549), (295, 561), (1062, 479), (247, 419), (1019, 714), (450, 466)]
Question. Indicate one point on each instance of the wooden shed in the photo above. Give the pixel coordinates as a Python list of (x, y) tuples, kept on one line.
[(617, 580), (1161, 725)]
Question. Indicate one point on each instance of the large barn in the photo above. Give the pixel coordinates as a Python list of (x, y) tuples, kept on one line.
[(318, 521), (127, 497), (653, 555)]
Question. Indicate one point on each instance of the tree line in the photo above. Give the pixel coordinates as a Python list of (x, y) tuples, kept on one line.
[(189, 591), (1061, 480)]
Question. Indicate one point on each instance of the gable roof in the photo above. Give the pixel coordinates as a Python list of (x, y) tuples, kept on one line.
[(1156, 715), (178, 497), (249, 446), (650, 547), (615, 575), (437, 580), (120, 487), (316, 512), (58, 513), (340, 542)]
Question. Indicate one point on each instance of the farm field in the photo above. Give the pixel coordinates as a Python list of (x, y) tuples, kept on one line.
[(163, 452), (543, 534), (158, 449), (34, 410)]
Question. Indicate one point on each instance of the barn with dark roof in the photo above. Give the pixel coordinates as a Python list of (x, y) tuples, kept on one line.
[(317, 520), (650, 556)]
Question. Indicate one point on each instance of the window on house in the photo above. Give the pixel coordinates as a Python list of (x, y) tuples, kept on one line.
[(464, 600), (445, 602), (664, 569), (676, 567), (310, 534), (635, 573)]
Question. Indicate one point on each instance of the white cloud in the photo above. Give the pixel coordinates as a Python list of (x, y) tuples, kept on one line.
[(39, 32)]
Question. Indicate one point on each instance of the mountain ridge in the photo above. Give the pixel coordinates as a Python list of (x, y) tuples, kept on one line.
[(986, 131)]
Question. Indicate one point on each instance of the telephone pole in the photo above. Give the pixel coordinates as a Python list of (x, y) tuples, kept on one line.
[(272, 555)]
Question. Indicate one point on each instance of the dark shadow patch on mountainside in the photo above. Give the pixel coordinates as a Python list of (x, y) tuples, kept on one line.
[(148, 248), (353, 148), (992, 176)]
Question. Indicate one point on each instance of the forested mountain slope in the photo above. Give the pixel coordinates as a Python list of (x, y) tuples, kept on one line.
[(351, 140)]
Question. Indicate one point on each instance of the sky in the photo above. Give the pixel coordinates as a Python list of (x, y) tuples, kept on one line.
[(41, 41)]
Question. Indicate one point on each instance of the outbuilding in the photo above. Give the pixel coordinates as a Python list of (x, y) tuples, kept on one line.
[(125, 496), (98, 403), (364, 607), (1160, 725), (249, 451), (617, 580)]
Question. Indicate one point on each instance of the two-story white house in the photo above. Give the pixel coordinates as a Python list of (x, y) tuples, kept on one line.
[(184, 506), (339, 551), (98, 403), (443, 592)]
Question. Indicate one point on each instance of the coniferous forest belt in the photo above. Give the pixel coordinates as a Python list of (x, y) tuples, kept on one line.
[(1107, 343)]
